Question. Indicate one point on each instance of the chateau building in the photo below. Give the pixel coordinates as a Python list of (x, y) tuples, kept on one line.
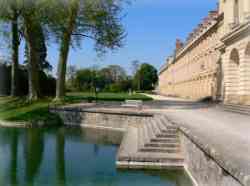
[(214, 61)]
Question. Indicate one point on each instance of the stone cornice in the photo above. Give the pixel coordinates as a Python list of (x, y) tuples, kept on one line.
[(214, 23), (163, 68), (237, 32), (191, 44)]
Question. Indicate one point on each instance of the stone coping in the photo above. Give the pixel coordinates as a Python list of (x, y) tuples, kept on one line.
[(147, 165), (22, 124), (226, 165), (97, 126), (112, 111), (14, 124)]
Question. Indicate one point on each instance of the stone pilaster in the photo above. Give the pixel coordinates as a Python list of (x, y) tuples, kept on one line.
[(247, 10)]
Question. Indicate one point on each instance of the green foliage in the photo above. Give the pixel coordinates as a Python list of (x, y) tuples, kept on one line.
[(112, 78), (145, 78), (96, 19), (83, 80), (41, 48)]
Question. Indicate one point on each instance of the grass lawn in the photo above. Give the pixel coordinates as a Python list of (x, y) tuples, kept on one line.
[(18, 109)]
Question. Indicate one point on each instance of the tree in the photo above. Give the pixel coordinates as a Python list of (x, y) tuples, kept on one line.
[(35, 22), (9, 12), (32, 28), (64, 48), (41, 48), (71, 76), (83, 79), (135, 65), (146, 77), (117, 73), (94, 19)]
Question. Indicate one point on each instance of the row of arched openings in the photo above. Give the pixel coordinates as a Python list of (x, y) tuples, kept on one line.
[(235, 65)]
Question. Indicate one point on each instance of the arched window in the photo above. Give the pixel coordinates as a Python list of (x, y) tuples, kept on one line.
[(235, 57), (247, 52)]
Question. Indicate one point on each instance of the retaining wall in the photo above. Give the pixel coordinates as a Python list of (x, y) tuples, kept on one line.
[(203, 167), (100, 118)]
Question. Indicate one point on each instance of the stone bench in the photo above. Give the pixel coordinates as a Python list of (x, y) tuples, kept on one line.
[(133, 103)]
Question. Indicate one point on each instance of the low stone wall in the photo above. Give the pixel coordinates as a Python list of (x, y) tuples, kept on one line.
[(100, 118), (204, 169)]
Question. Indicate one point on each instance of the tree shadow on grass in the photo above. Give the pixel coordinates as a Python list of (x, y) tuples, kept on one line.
[(35, 115), (12, 104)]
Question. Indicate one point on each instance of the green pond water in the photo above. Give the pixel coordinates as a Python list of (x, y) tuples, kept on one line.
[(71, 157)]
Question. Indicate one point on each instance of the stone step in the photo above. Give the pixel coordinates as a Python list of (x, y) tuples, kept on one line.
[(146, 136), (150, 165), (141, 137), (237, 111), (158, 133), (160, 124), (159, 144), (164, 135), (150, 130), (165, 128), (155, 128), (237, 106), (167, 124), (134, 153), (160, 149), (240, 109), (145, 141), (165, 140), (152, 157)]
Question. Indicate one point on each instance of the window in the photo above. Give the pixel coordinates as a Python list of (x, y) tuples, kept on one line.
[(236, 11)]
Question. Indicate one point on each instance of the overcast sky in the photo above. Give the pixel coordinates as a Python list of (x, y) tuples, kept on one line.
[(152, 27)]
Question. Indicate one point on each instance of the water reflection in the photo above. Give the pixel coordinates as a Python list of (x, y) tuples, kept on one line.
[(70, 157), (60, 157), (34, 146), (13, 157)]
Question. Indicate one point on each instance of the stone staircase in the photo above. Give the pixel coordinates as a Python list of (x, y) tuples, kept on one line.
[(240, 109), (154, 145)]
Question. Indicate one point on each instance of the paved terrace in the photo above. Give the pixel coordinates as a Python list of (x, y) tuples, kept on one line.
[(224, 134)]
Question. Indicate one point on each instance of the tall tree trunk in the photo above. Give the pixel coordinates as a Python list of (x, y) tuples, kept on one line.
[(64, 51), (15, 53), (33, 58)]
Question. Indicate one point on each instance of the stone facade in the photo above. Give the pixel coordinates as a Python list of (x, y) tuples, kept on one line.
[(215, 59)]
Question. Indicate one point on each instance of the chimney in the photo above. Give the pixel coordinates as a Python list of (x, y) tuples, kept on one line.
[(213, 14), (178, 45)]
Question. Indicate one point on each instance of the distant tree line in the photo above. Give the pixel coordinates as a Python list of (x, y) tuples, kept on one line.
[(112, 78)]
